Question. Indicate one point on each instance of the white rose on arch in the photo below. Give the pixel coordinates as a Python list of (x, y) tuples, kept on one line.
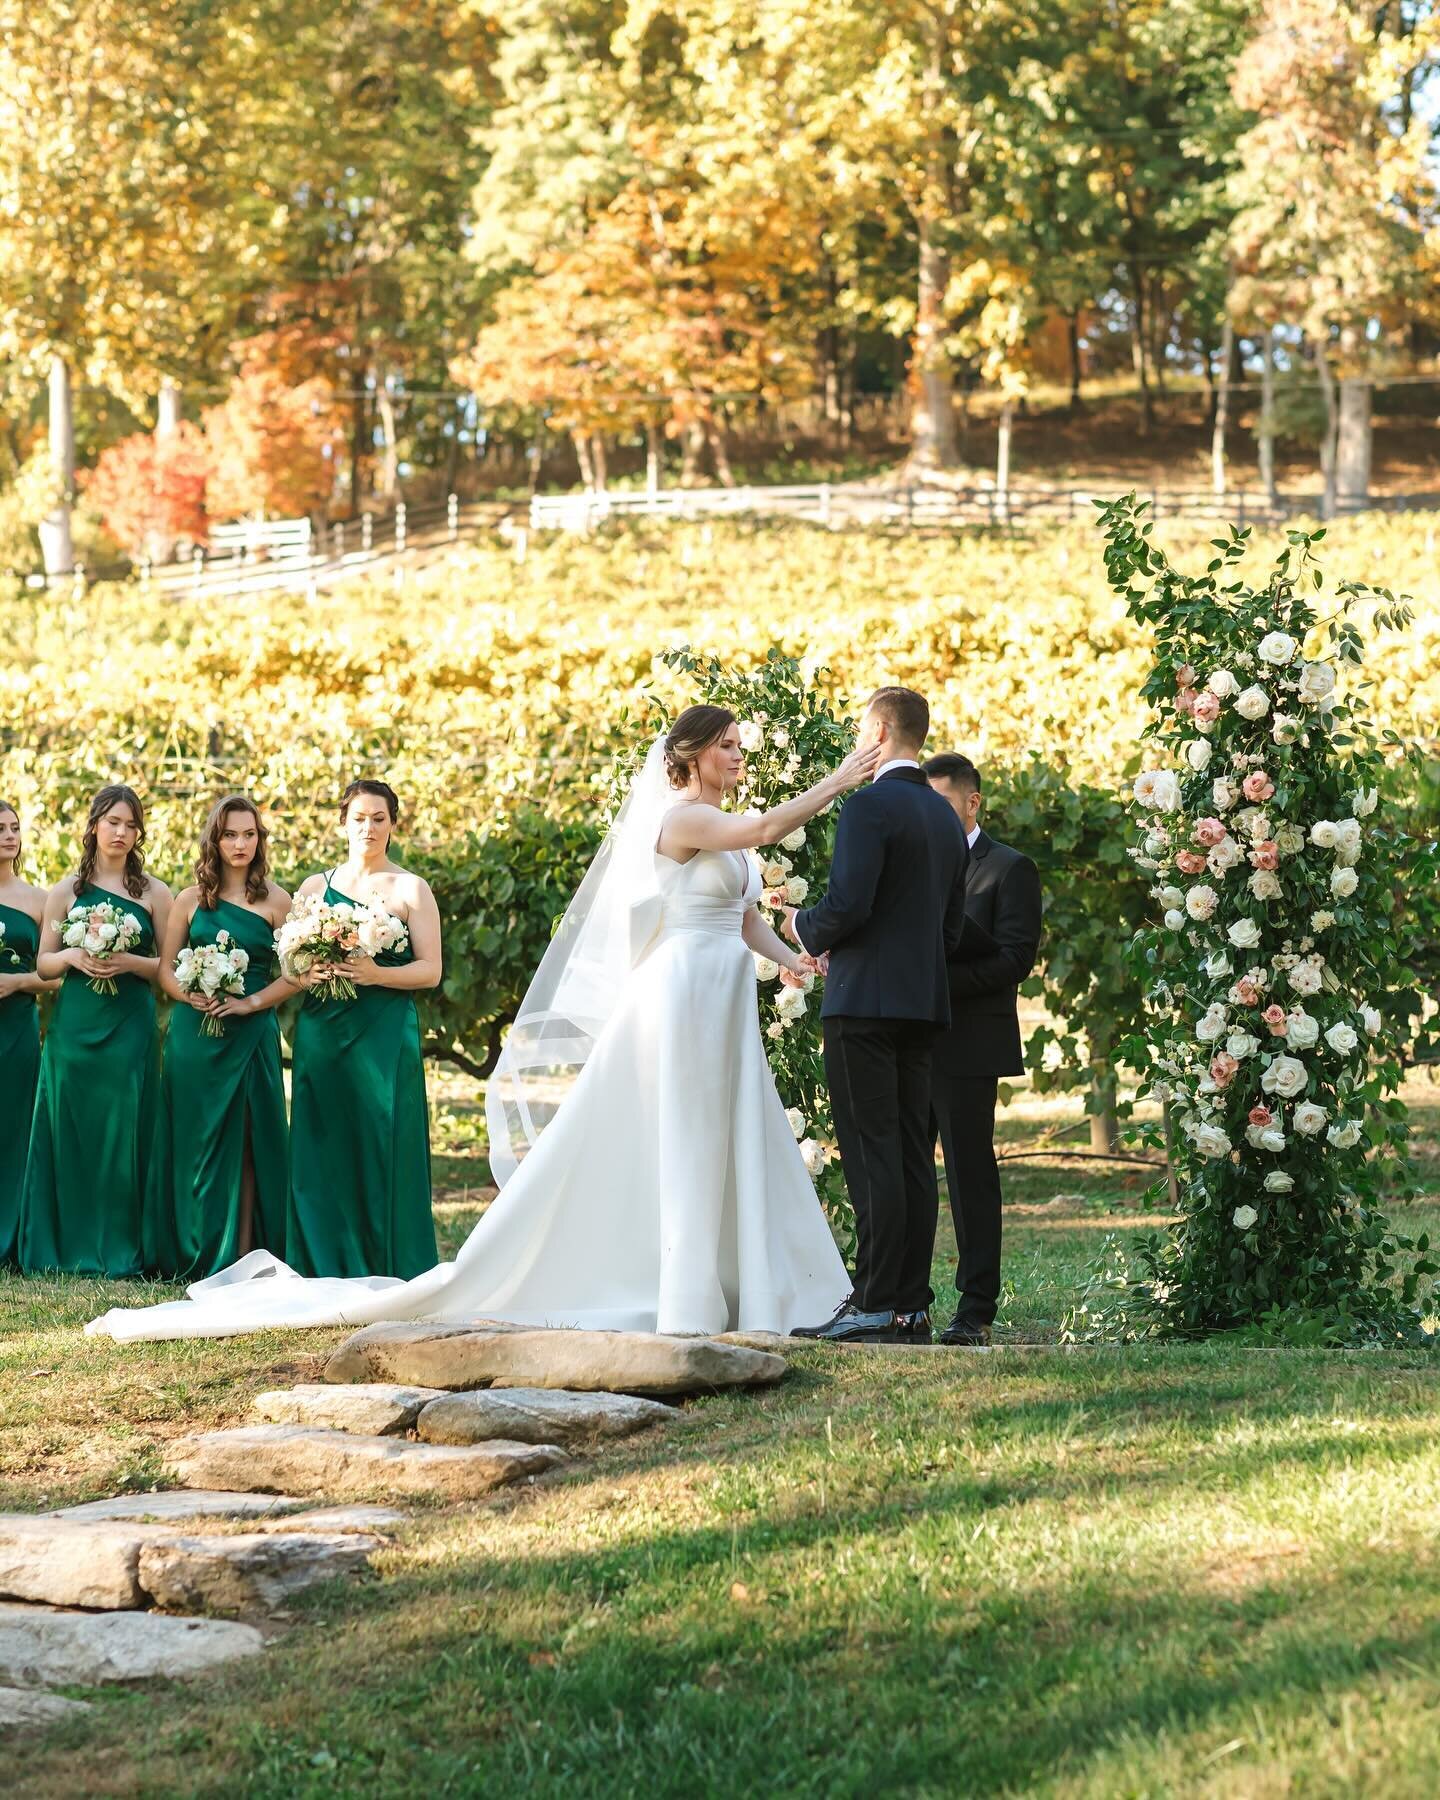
[(1277, 648), (1371, 1019), (1244, 1217), (751, 736), (1224, 793), (1348, 837), (1175, 920), (1302, 1031), (1316, 681), (1309, 1118), (1342, 1038), (1285, 728), (1244, 934), (1344, 1134), (1157, 789), (773, 873), (1324, 834), (1212, 1025), (795, 840), (1253, 704), (1241, 1044), (1343, 882), (813, 1154), (766, 969), (1287, 1076), (1305, 978), (1278, 1182), (1218, 965), (1223, 685), (1271, 1139), (1265, 885), (1365, 801), (796, 889), (1198, 753), (1210, 1140), (796, 1121), (1289, 839)]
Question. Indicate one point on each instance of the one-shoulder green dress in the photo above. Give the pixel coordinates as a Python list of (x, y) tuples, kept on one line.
[(360, 1134), (214, 1093), (19, 1071), (94, 1119)]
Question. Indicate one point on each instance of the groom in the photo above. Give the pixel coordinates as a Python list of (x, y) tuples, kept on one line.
[(893, 911)]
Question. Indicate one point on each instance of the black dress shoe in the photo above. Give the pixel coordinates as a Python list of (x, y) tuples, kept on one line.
[(965, 1334), (852, 1325), (913, 1328)]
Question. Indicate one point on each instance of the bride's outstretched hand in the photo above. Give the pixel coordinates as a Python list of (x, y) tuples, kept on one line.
[(858, 767)]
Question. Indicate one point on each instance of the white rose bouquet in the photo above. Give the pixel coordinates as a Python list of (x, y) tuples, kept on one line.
[(318, 937), (212, 970), (102, 930)]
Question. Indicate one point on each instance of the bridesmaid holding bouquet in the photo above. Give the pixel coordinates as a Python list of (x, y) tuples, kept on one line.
[(219, 1178), (99, 1071), (21, 909), (360, 1126)]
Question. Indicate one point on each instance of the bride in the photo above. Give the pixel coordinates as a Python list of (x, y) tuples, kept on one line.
[(649, 1178)]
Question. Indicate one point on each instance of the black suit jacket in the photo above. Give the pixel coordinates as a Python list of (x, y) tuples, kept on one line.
[(895, 904), (996, 952)]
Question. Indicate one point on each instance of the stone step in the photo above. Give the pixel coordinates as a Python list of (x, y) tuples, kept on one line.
[(40, 1647), (249, 1572), (181, 1504), (371, 1408), (477, 1356), (28, 1709), (535, 1416), (340, 1465), (68, 1564), (366, 1519)]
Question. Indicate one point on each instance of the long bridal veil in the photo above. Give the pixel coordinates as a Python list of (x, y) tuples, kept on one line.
[(604, 932)]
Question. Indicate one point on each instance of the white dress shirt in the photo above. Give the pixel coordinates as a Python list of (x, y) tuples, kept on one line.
[(895, 762), (970, 837)]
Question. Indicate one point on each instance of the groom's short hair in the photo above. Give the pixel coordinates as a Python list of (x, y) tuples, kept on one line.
[(952, 767), (904, 711)]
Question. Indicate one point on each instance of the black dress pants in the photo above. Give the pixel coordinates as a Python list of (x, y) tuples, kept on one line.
[(964, 1117), (878, 1073)]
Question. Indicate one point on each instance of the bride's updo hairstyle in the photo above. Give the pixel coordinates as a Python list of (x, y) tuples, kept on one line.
[(696, 729)]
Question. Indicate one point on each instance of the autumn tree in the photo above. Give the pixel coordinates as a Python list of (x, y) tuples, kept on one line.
[(272, 447), (149, 489)]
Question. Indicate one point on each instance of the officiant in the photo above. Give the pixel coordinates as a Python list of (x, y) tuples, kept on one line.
[(996, 952)]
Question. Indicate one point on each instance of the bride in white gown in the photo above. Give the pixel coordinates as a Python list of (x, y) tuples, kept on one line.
[(650, 1179)]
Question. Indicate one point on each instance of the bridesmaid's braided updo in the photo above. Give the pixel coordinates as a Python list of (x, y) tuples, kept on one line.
[(696, 729)]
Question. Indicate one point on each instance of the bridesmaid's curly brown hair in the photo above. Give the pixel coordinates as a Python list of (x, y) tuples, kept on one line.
[(208, 868), (110, 796)]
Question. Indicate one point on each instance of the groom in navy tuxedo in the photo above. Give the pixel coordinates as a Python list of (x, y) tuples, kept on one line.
[(893, 911)]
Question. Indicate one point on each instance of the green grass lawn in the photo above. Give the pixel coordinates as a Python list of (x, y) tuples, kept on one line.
[(1035, 1571)]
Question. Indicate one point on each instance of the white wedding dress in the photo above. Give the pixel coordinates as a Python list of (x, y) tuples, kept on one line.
[(667, 1193)]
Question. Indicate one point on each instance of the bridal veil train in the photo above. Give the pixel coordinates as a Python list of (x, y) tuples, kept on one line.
[(650, 1179)]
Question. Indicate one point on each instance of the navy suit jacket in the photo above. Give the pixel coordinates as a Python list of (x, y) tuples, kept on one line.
[(1003, 909), (895, 905)]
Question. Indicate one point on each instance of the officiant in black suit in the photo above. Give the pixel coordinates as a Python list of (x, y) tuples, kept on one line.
[(996, 952), (892, 912)]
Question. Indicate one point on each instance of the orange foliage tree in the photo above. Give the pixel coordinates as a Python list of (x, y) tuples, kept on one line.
[(272, 445), (660, 314), (150, 490)]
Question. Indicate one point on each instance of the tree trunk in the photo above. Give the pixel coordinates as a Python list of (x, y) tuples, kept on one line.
[(932, 416), (692, 449), (167, 408), (390, 466), (1352, 445), (1332, 431), (597, 460), (582, 455), (1139, 357), (1104, 1093), (1002, 457), (359, 431), (1267, 414), (715, 436), (1072, 334), (1222, 411), (652, 456), (56, 545)]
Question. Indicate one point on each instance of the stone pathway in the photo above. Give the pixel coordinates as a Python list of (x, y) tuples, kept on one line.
[(93, 1594)]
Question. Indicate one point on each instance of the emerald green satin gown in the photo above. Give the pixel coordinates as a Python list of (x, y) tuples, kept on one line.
[(19, 1072), (94, 1119), (213, 1092), (360, 1135)]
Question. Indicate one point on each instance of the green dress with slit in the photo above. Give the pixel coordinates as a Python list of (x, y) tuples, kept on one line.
[(217, 1094), (19, 1071), (94, 1119), (360, 1134)]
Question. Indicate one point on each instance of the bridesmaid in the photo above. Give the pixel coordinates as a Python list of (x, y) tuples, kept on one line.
[(218, 1170), (21, 909), (360, 1127), (99, 1072)]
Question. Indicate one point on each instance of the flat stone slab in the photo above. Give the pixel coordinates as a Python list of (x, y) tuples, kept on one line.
[(30, 1710), (180, 1504), (68, 1564), (42, 1648), (535, 1416), (621, 1362), (339, 1464), (367, 1519), (776, 1342), (371, 1408), (249, 1572)]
